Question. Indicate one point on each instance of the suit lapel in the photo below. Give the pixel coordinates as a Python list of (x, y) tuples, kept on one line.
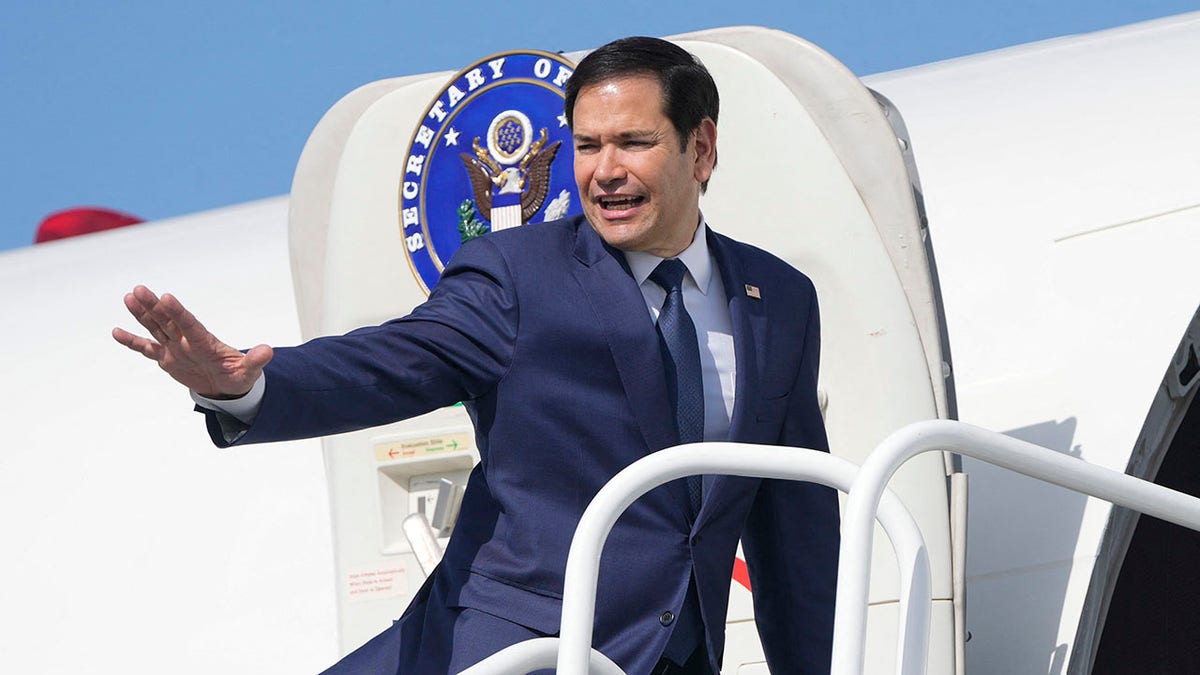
[(633, 341), (629, 330), (749, 320)]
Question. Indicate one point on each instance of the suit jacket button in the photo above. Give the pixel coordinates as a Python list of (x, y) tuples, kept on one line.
[(666, 618)]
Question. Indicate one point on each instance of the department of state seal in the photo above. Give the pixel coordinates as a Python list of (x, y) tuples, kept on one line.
[(492, 151)]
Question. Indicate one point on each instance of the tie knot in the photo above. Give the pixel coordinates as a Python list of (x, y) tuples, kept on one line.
[(669, 274)]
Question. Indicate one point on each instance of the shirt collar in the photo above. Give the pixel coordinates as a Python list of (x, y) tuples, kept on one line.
[(695, 257)]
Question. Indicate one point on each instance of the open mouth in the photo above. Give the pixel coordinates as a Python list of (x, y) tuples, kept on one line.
[(619, 202)]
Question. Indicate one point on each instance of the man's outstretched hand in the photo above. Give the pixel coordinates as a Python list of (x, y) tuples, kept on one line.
[(184, 348)]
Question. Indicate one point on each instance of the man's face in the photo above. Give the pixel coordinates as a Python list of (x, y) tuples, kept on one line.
[(639, 192)]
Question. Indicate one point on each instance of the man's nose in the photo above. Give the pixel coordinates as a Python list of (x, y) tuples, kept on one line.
[(609, 166)]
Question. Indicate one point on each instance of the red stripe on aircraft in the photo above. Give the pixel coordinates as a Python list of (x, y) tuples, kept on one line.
[(741, 573)]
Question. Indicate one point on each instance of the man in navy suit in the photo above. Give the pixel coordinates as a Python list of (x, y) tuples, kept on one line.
[(548, 333)]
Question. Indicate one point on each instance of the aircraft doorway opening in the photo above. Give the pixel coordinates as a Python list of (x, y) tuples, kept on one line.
[(1152, 591), (1152, 620)]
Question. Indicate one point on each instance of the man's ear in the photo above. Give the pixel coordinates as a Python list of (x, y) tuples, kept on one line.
[(706, 150)]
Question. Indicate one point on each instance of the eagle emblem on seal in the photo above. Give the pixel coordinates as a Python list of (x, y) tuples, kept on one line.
[(511, 176)]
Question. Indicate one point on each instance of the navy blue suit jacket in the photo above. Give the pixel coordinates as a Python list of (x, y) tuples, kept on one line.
[(543, 333)]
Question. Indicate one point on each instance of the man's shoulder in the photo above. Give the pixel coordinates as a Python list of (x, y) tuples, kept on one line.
[(551, 233), (534, 243), (759, 262)]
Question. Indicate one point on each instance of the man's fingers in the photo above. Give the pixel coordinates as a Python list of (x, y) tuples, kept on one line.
[(164, 314), (182, 320), (145, 295), (141, 307), (147, 348), (159, 313), (124, 337)]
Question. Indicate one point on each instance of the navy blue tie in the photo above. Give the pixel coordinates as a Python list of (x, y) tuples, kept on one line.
[(681, 358), (685, 387)]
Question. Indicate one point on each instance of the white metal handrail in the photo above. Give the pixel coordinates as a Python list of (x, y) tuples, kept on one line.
[(850, 623), (583, 561), (536, 654)]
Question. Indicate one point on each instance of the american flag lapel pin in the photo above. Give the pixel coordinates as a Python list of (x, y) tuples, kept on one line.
[(752, 291)]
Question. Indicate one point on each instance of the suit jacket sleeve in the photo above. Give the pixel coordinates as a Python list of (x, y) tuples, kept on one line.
[(791, 539), (454, 347)]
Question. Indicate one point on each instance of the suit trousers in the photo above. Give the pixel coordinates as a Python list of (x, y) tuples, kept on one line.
[(697, 664)]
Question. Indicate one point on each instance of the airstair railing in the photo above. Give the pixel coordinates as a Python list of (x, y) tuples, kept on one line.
[(574, 652), (850, 623), (537, 654)]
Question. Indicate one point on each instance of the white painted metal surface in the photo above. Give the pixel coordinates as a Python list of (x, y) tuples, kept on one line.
[(130, 543), (525, 657), (1060, 185), (997, 449)]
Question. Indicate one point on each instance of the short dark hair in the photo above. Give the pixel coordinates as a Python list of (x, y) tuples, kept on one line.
[(689, 93)]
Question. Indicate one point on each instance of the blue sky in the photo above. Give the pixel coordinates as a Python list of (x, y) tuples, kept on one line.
[(164, 108)]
